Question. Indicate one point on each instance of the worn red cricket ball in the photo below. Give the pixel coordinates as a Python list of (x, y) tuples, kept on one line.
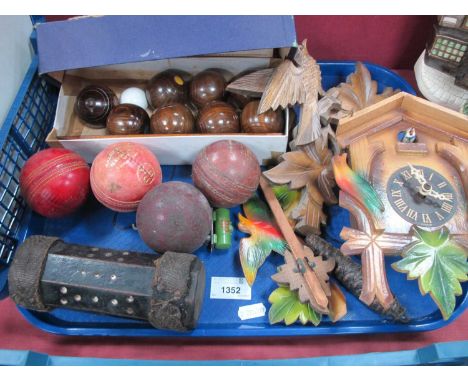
[(55, 182), (227, 173), (122, 174), (174, 216)]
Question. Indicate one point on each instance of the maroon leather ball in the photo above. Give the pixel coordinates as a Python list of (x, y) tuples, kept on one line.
[(167, 87), (172, 119), (174, 216), (207, 86), (227, 173), (268, 122), (218, 117)]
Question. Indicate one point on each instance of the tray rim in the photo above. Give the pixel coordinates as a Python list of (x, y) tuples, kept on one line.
[(258, 330)]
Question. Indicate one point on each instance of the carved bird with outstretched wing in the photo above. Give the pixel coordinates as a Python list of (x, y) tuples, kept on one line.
[(297, 80), (264, 237)]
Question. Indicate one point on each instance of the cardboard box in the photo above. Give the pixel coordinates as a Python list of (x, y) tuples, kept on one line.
[(119, 52)]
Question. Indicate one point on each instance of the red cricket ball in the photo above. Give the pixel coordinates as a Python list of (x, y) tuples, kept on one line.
[(55, 182), (122, 174), (227, 173), (174, 216)]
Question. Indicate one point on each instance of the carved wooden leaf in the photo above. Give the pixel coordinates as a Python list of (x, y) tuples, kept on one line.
[(321, 267), (308, 167), (297, 169), (308, 214), (290, 273), (360, 90), (326, 183)]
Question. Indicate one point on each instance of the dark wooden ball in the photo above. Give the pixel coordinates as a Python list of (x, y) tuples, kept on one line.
[(172, 119), (93, 105), (126, 119), (167, 87), (207, 86), (192, 107), (218, 117), (238, 101), (268, 122)]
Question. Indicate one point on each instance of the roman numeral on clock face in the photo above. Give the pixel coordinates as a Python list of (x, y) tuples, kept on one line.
[(406, 174), (396, 193), (446, 207), (399, 182), (426, 219), (439, 215), (401, 205), (412, 214), (448, 196)]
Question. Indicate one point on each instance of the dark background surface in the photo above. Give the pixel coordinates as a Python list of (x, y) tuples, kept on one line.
[(391, 41)]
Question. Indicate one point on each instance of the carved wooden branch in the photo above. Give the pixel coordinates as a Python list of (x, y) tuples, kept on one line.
[(317, 297)]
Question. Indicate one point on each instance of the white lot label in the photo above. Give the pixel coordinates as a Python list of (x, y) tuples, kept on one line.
[(251, 311), (230, 288)]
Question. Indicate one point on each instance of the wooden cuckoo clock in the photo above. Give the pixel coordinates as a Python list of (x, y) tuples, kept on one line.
[(404, 178)]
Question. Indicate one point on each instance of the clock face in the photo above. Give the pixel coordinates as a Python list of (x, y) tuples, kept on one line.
[(421, 196)]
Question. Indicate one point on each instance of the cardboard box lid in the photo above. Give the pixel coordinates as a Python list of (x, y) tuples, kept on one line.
[(104, 40)]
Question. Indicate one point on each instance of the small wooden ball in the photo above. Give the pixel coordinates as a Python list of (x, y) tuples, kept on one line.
[(207, 86), (218, 117), (93, 105), (193, 108), (172, 119), (167, 87), (126, 119), (238, 101), (268, 122)]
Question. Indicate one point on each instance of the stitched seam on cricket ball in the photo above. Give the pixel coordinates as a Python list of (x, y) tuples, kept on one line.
[(235, 186), (230, 194), (37, 172), (204, 159), (125, 156), (106, 199), (54, 175)]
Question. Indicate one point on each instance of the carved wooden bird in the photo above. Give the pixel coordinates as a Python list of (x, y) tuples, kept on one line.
[(297, 80), (355, 185), (265, 237)]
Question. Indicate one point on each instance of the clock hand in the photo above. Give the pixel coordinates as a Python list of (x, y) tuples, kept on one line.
[(425, 188), (437, 195), (418, 174)]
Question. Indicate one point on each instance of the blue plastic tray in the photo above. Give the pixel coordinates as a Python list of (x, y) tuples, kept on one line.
[(95, 225)]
